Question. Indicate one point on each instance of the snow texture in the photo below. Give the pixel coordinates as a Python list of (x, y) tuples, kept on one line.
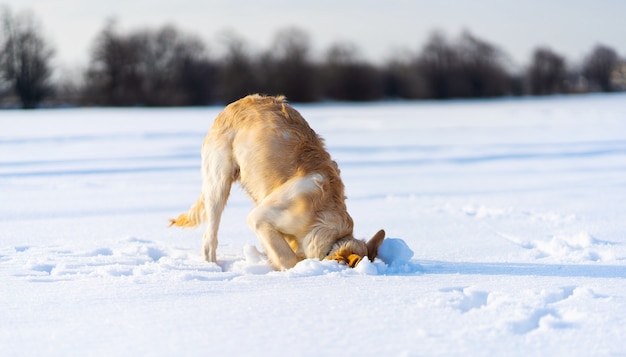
[(506, 220)]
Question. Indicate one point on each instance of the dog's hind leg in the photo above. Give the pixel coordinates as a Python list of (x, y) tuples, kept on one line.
[(218, 174)]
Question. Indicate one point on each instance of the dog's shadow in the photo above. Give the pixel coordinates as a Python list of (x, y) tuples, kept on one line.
[(522, 269)]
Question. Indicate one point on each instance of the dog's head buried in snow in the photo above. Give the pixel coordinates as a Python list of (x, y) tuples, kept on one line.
[(282, 164)]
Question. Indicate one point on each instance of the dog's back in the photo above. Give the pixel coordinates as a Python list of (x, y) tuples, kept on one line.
[(272, 143)]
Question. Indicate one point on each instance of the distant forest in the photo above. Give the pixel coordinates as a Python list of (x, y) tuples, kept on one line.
[(168, 67)]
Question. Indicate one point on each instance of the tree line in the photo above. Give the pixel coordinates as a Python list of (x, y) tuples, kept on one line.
[(168, 67)]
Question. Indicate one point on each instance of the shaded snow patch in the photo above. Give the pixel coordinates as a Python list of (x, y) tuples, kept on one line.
[(464, 299)]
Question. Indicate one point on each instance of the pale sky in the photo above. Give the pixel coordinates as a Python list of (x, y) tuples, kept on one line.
[(378, 28)]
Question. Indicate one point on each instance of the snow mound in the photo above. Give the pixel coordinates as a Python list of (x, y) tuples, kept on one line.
[(394, 257), (581, 247), (482, 211), (254, 262), (394, 251), (366, 267), (314, 267)]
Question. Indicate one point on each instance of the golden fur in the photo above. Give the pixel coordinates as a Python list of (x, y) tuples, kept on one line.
[(282, 164)]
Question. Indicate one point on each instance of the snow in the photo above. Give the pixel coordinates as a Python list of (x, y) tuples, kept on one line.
[(394, 251), (505, 218)]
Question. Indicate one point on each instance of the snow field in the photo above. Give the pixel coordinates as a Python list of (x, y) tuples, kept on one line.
[(505, 219)]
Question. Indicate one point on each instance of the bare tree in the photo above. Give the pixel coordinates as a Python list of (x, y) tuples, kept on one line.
[(174, 68), (547, 72), (438, 65), (112, 77), (160, 67), (197, 79), (599, 66), (288, 68), (25, 58), (466, 68), (482, 67), (618, 76), (402, 79), (347, 77), (237, 70)]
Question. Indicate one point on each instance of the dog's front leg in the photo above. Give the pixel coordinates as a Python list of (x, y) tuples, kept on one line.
[(263, 221), (286, 211)]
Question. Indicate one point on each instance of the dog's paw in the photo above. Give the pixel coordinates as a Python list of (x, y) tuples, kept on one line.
[(352, 260)]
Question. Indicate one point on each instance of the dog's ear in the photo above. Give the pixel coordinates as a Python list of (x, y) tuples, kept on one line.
[(374, 243)]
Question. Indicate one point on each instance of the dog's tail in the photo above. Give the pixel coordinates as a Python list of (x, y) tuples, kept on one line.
[(194, 217)]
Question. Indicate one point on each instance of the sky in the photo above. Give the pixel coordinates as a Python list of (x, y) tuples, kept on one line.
[(379, 29)]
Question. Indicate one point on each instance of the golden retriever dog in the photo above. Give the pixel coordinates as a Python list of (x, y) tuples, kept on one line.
[(300, 211)]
